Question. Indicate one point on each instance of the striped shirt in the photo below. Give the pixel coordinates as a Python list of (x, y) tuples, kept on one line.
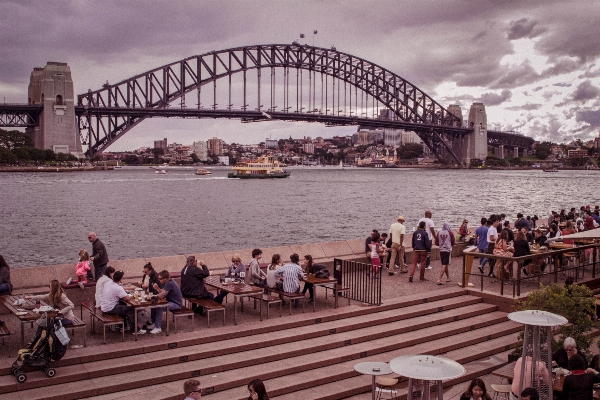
[(291, 274)]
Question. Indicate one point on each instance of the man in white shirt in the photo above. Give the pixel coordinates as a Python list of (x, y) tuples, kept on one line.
[(430, 228), (492, 235), (112, 293), (397, 232)]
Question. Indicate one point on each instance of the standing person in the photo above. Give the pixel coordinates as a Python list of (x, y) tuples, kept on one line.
[(521, 246), (257, 390), (492, 235), (108, 275), (191, 389), (375, 260), (430, 228), (397, 232), (5, 285), (421, 249), (521, 222), (99, 256), (445, 240), (368, 241), (481, 241), (291, 273), (192, 281), (271, 269), (169, 291), (257, 276)]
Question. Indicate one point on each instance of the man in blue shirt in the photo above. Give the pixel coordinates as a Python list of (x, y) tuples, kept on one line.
[(171, 293), (482, 243)]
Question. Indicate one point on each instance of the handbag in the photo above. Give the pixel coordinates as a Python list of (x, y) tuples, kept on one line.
[(61, 334)]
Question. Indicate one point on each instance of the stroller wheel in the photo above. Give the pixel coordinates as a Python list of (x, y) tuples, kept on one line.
[(21, 377), (14, 370), (50, 372)]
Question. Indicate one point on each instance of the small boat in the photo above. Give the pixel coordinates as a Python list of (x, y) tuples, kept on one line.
[(165, 165), (160, 171), (550, 170), (266, 167), (118, 166), (202, 171)]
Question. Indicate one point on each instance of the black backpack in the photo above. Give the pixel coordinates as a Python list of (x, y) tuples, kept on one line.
[(320, 271)]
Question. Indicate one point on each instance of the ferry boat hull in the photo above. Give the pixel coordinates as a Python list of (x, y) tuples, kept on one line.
[(266, 167), (257, 176)]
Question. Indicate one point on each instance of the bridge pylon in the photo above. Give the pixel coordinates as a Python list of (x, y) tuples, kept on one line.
[(52, 87), (475, 143)]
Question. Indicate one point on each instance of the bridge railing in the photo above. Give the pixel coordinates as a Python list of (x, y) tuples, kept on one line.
[(545, 266)]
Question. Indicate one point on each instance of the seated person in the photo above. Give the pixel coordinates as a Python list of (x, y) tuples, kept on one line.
[(561, 357), (542, 373), (272, 281), (476, 391), (290, 274), (111, 296), (463, 231), (58, 300), (106, 277), (192, 282), (171, 292), (149, 278), (237, 269), (580, 383), (530, 394), (257, 276)]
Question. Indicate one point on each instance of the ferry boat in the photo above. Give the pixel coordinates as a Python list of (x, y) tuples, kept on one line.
[(160, 171), (265, 167), (202, 171), (553, 169)]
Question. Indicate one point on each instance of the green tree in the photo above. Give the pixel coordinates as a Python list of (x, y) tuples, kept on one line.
[(577, 161), (22, 153), (194, 157), (7, 156), (410, 150), (14, 139), (575, 303), (543, 150), (475, 163), (49, 155), (131, 159)]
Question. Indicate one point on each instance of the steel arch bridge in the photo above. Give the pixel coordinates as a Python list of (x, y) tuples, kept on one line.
[(269, 82)]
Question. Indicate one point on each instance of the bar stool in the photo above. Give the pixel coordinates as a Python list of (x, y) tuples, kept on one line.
[(501, 390), (386, 384)]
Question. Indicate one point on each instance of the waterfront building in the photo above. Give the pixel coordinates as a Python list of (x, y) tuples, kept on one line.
[(271, 143), (215, 147), (224, 160), (200, 149), (308, 148), (577, 153), (161, 144)]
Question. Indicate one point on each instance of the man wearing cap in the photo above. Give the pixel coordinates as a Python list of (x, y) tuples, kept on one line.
[(397, 232)]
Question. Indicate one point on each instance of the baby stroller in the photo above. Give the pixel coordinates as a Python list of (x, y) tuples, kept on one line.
[(49, 345)]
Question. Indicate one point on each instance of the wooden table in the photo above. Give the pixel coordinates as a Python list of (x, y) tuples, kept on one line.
[(310, 278), (29, 318), (239, 290), (137, 305)]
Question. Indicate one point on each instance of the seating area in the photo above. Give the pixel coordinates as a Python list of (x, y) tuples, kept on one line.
[(105, 319), (308, 356), (209, 306)]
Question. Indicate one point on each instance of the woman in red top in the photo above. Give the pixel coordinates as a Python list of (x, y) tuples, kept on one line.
[(569, 230)]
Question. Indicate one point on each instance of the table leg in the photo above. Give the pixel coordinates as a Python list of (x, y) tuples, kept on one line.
[(22, 334), (410, 389), (234, 309), (167, 314), (335, 285), (135, 323), (373, 389), (440, 391), (261, 308), (314, 296)]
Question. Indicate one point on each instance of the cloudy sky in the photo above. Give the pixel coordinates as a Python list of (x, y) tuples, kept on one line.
[(535, 64)]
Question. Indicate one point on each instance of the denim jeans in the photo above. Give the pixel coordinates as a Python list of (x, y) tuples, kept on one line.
[(157, 313)]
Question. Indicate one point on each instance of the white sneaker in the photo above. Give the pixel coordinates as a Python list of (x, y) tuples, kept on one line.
[(81, 285), (69, 281), (155, 331), (430, 267), (141, 332), (151, 326)]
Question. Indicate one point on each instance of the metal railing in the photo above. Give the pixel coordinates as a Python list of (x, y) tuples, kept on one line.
[(362, 283), (546, 265)]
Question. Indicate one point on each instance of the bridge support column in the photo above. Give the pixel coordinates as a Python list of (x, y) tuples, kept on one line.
[(499, 151), (516, 152), (524, 153), (52, 87), (475, 143)]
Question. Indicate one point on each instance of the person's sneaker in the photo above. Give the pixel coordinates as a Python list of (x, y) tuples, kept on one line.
[(81, 285), (481, 269), (491, 275), (69, 281), (310, 301), (141, 332), (150, 326), (430, 267), (392, 273), (418, 265), (423, 279), (410, 278), (155, 331)]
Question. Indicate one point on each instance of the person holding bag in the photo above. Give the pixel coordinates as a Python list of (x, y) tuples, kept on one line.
[(57, 299)]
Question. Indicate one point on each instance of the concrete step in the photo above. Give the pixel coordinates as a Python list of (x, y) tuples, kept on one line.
[(294, 371), (218, 334)]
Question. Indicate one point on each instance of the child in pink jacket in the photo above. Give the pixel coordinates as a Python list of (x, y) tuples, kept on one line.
[(83, 266)]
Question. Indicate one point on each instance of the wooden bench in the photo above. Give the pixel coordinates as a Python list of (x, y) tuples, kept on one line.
[(182, 312), (4, 332), (78, 324), (105, 319), (340, 290), (290, 296), (267, 298), (207, 305)]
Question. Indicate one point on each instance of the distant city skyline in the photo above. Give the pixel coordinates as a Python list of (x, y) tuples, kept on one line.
[(535, 64)]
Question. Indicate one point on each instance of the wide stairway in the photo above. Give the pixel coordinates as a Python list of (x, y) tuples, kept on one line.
[(303, 356)]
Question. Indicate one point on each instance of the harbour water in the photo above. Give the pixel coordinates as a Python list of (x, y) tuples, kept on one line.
[(45, 218)]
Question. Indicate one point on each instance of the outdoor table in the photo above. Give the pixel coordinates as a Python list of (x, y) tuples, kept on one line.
[(137, 305), (310, 278), (427, 368), (374, 369), (30, 317), (240, 290)]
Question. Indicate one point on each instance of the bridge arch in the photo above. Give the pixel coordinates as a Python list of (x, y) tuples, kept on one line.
[(108, 113)]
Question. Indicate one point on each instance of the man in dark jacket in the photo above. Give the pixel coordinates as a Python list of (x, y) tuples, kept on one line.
[(192, 282), (421, 249), (99, 256)]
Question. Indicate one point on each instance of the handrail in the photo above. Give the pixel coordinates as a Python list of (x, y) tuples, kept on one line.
[(556, 265)]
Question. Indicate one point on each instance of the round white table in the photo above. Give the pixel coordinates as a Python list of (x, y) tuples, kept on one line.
[(426, 368), (374, 369)]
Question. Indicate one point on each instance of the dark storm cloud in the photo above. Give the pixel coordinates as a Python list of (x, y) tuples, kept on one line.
[(537, 89), (585, 91), (591, 117), (493, 99), (514, 76), (524, 28)]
